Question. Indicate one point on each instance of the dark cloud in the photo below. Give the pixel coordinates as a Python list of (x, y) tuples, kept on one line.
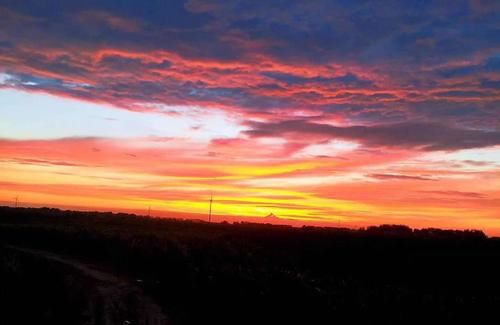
[(423, 136), (172, 13), (490, 84), (473, 195), (460, 93), (116, 62), (348, 80), (43, 162), (316, 32), (364, 62), (400, 177), (493, 63), (479, 163)]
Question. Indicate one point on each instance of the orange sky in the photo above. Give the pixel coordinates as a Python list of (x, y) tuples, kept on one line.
[(329, 183)]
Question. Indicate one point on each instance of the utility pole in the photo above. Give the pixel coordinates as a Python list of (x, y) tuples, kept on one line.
[(149, 211), (210, 208), (17, 198)]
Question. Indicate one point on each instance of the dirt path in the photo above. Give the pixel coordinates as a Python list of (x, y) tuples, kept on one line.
[(119, 302)]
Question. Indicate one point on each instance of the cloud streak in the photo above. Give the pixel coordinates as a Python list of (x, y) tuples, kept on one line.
[(422, 136)]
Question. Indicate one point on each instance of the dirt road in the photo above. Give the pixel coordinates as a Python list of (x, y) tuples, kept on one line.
[(119, 302)]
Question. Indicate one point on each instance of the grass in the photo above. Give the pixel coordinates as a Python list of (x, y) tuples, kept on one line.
[(248, 273)]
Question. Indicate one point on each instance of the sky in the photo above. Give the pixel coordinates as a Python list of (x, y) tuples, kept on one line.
[(322, 112)]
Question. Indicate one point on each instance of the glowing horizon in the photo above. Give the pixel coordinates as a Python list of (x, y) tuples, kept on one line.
[(125, 107)]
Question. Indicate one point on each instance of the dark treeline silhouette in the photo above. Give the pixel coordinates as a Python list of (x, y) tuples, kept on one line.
[(245, 273)]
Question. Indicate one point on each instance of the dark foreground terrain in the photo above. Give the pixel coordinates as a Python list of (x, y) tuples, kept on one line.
[(63, 267)]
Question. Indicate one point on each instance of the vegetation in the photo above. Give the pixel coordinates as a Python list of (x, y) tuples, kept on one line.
[(249, 273)]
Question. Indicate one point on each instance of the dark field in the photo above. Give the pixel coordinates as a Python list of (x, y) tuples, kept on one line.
[(62, 267)]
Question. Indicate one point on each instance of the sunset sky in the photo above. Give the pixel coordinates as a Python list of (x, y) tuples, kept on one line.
[(320, 112)]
